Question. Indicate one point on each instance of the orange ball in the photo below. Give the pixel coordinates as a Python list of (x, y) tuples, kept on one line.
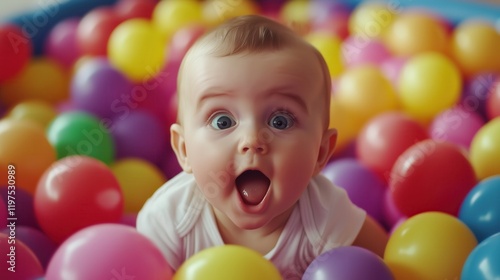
[(37, 111), (475, 47), (413, 33), (42, 79), (24, 145)]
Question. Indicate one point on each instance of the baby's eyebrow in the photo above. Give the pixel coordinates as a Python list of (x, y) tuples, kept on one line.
[(211, 94), (296, 98)]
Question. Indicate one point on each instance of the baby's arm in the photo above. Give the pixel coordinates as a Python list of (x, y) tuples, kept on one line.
[(372, 237)]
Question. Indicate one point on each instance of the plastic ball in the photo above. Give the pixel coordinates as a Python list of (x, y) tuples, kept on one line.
[(477, 91), (371, 19), (24, 146), (3, 214), (295, 14), (95, 29), (37, 242), (169, 165), (100, 89), (108, 251), (128, 9), (139, 135), (480, 210), (428, 84), (182, 40), (493, 102), (366, 92), (392, 215), (330, 17), (78, 133), (129, 219), (431, 245), (20, 263), (364, 188), (348, 262), (412, 33), (431, 176), (39, 112), (170, 16), (475, 47), (74, 193), (227, 262), (391, 68), (482, 262), (384, 138), (129, 43), (42, 79), (138, 179), (358, 51), (61, 43), (346, 122), (25, 212), (485, 151), (330, 48), (216, 12), (456, 125), (15, 51)]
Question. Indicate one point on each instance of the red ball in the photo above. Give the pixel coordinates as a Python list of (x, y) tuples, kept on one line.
[(182, 40), (76, 192), (493, 101), (128, 9), (94, 30), (431, 176), (15, 51), (384, 138)]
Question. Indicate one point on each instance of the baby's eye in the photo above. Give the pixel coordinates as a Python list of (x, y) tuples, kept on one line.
[(222, 121), (281, 121)]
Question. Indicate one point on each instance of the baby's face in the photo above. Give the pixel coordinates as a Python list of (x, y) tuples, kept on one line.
[(253, 129)]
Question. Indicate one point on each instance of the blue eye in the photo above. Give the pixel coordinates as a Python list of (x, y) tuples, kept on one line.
[(281, 121), (222, 121)]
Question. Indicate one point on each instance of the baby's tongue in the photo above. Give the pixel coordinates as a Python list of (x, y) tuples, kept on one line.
[(253, 186)]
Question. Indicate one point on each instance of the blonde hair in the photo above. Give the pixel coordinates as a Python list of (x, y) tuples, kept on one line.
[(251, 34)]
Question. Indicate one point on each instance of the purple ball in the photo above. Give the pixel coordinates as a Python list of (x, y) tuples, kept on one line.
[(61, 44), (476, 93), (363, 186), (349, 262), (39, 243), (100, 89), (25, 212), (139, 134), (169, 165)]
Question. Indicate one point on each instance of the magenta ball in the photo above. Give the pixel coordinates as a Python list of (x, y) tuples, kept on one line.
[(25, 212), (391, 68), (3, 214), (39, 243), (477, 91), (363, 186), (169, 165), (100, 89), (61, 43), (348, 262), (358, 50), (456, 125), (25, 263), (108, 251), (129, 219), (139, 134)]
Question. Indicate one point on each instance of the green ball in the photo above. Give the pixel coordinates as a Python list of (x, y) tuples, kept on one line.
[(79, 133)]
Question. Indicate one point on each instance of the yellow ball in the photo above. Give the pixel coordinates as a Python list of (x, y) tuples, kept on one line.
[(366, 92), (37, 111), (429, 246), (171, 15), (216, 11), (138, 179), (371, 20), (296, 14), (346, 122), (330, 48), (485, 150), (42, 79), (428, 84), (137, 49), (414, 33), (228, 262), (475, 47)]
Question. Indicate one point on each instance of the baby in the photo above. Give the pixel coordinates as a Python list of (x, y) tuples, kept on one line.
[(252, 137)]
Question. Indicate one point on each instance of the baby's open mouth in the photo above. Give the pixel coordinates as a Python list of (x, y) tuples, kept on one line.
[(252, 186)]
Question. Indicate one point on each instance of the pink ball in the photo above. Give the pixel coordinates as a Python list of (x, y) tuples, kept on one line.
[(26, 264), (108, 251), (61, 43), (358, 50), (3, 214), (456, 125), (391, 67)]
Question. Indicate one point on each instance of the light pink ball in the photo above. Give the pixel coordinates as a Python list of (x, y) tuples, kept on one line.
[(358, 50), (391, 68), (61, 44)]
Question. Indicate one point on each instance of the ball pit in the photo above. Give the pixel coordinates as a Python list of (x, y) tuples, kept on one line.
[(404, 74)]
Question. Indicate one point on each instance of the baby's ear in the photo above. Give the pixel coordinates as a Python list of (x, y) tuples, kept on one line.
[(326, 149), (179, 146)]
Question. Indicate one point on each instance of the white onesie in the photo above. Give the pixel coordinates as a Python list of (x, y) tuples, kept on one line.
[(181, 223)]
